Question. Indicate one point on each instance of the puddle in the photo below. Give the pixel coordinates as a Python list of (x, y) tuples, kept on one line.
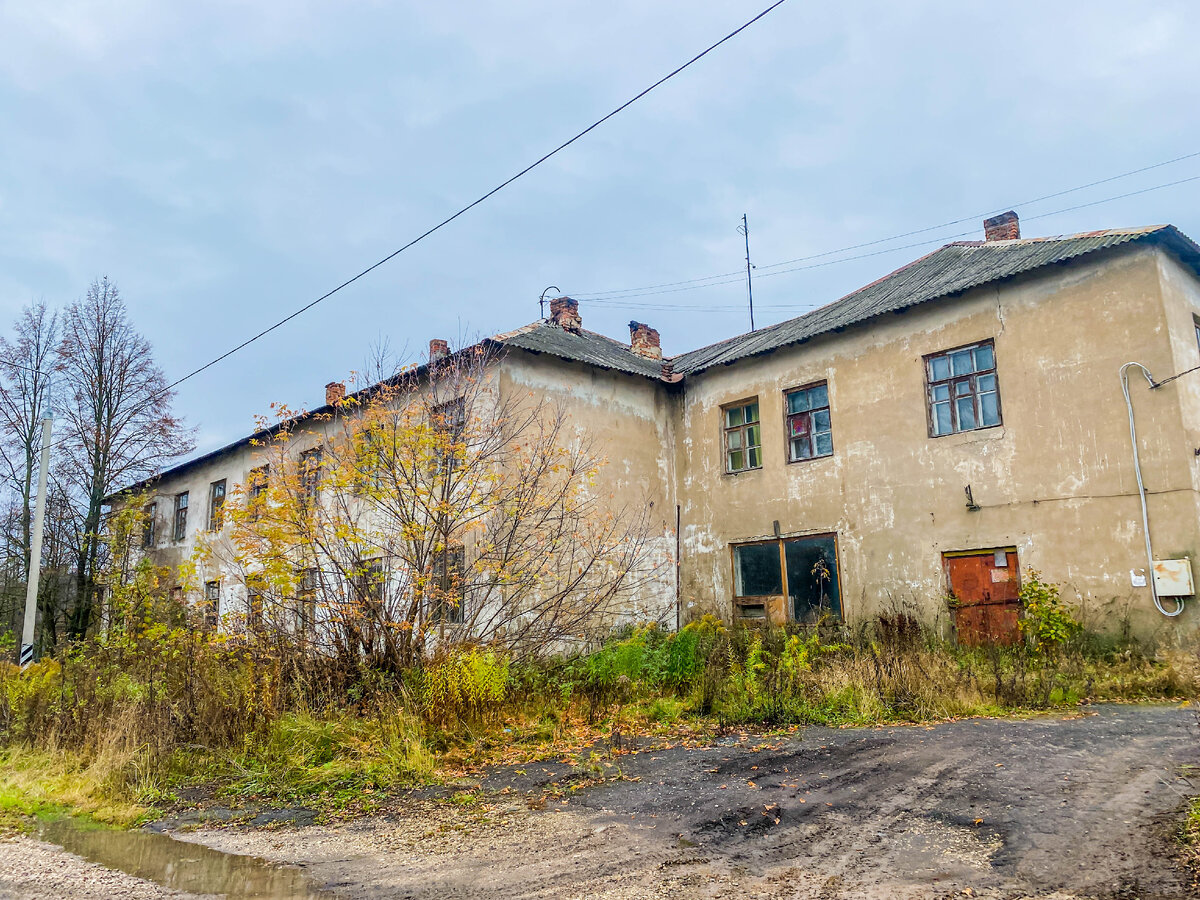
[(179, 865)]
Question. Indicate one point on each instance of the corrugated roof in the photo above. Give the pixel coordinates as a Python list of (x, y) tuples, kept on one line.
[(948, 271), (585, 347), (953, 269)]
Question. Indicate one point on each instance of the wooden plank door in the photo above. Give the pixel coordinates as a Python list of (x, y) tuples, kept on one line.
[(986, 587)]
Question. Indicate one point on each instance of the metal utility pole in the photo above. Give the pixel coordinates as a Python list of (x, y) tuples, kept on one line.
[(35, 551), (744, 229)]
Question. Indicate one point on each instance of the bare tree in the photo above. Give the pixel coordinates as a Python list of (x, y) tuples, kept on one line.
[(118, 424), (25, 381)]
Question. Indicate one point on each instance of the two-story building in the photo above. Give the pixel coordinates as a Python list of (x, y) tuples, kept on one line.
[(909, 448)]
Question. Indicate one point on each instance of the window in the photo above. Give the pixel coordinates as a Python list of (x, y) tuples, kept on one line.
[(802, 569), (177, 594), (148, 512), (310, 475), (449, 587), (808, 429), (1196, 325), (254, 607), (449, 423), (306, 600), (256, 490), (216, 501), (181, 507), (369, 583), (212, 605), (743, 437), (963, 393), (371, 461)]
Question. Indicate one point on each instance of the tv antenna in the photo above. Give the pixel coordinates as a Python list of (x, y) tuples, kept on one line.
[(744, 229)]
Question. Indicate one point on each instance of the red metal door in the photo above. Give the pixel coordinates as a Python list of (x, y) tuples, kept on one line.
[(988, 608)]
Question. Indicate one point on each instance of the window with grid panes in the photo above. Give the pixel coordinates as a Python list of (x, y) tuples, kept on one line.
[(216, 501), (212, 605), (963, 391), (743, 437), (179, 530), (808, 427)]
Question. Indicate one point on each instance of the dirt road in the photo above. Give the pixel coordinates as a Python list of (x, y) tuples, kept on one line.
[(1050, 807)]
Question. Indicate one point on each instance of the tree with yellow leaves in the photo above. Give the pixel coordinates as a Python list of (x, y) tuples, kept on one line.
[(434, 509)]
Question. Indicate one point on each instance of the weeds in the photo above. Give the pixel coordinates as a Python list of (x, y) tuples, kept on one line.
[(128, 721)]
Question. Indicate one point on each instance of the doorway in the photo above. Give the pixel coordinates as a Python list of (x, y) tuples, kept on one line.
[(985, 586)]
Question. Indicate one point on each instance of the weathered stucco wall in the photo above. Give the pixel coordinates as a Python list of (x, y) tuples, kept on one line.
[(630, 420), (1055, 480)]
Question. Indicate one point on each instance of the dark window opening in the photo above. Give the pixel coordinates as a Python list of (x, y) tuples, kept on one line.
[(306, 601), (804, 569), (743, 437), (449, 425), (310, 476), (256, 490), (148, 514), (216, 502), (963, 393), (181, 508), (449, 586), (810, 434), (212, 605), (254, 608)]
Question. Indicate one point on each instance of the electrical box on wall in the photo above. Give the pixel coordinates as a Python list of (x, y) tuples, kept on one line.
[(1173, 578)]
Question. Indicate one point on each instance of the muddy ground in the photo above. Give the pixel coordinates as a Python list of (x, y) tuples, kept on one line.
[(1049, 807)]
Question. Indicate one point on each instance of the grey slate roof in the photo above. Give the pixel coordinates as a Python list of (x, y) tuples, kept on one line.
[(586, 347), (951, 270)]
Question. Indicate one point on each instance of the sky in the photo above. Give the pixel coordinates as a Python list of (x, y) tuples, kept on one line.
[(228, 162)]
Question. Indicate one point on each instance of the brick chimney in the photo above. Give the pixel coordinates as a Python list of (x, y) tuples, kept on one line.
[(643, 340), (438, 349), (564, 312), (335, 392), (1004, 227)]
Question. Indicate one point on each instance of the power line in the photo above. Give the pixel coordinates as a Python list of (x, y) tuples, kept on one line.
[(895, 237), (529, 168), (619, 301)]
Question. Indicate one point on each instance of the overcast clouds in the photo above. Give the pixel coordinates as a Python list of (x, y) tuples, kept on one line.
[(227, 162)]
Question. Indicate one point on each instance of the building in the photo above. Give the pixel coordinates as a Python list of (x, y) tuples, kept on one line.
[(910, 448)]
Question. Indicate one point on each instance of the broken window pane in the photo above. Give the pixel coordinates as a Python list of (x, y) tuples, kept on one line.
[(808, 423), (812, 577), (757, 571)]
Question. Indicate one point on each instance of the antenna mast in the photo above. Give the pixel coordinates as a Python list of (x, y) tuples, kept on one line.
[(744, 229)]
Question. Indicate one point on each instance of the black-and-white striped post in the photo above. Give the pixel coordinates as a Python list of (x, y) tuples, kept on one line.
[(35, 551)]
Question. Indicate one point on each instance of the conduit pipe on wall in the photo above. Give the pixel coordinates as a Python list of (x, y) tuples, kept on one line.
[(1137, 468)]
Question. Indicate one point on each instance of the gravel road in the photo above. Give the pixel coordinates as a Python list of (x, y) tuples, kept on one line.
[(1080, 807)]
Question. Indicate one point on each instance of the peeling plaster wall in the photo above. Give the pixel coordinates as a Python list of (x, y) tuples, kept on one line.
[(1056, 480), (631, 420)]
